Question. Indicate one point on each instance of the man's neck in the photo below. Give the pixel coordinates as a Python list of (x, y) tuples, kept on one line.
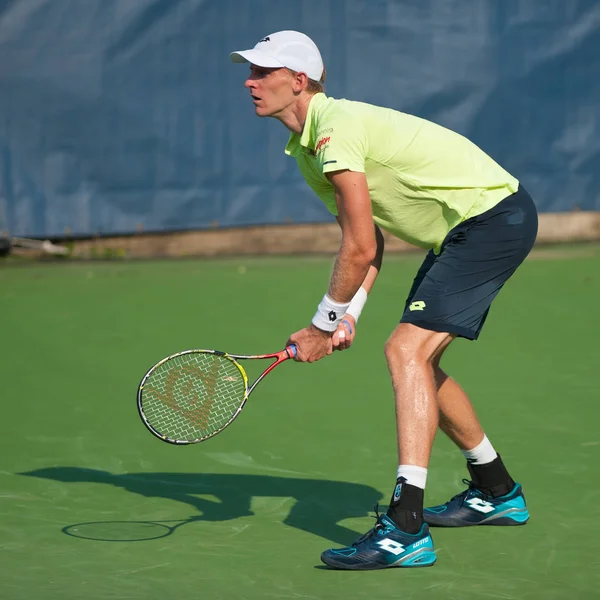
[(294, 117)]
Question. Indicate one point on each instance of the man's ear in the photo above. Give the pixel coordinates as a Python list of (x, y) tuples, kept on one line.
[(300, 82)]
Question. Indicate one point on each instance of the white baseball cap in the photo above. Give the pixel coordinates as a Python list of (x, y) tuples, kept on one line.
[(290, 49)]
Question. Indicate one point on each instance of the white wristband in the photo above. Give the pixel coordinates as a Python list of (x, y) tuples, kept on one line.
[(357, 303), (329, 314)]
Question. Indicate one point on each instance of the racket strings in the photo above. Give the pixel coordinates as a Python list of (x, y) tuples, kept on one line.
[(192, 396)]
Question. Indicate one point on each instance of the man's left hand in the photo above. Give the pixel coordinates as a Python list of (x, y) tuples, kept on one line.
[(312, 344)]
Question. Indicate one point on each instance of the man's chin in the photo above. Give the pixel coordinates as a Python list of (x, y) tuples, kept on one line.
[(261, 112)]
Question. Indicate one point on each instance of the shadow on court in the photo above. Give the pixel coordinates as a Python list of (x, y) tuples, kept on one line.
[(319, 504)]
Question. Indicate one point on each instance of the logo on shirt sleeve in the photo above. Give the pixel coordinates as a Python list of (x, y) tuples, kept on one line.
[(322, 144)]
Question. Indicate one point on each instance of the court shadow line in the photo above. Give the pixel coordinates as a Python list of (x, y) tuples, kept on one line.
[(319, 505)]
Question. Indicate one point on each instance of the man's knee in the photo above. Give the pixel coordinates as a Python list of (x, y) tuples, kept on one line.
[(409, 343)]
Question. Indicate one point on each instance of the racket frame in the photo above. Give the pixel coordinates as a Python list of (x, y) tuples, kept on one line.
[(282, 356)]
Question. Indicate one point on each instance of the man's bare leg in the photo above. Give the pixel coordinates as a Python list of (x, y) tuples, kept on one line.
[(458, 420), (492, 498), (410, 352)]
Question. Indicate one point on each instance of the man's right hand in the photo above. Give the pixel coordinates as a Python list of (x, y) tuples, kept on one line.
[(344, 335)]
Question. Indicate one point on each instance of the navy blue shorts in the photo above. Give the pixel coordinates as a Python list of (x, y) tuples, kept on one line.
[(453, 291)]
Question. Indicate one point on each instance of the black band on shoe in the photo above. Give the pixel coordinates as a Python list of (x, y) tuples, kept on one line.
[(406, 506), (491, 478)]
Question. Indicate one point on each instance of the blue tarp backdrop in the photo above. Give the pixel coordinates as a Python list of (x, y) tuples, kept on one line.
[(122, 115)]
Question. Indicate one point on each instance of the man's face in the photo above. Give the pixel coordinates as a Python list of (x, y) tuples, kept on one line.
[(271, 90)]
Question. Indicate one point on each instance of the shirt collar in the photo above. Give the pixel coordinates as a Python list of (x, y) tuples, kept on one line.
[(298, 141)]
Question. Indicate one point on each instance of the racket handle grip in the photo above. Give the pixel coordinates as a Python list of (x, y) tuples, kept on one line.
[(292, 350)]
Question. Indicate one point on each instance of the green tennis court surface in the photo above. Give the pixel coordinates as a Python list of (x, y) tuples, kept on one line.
[(93, 507)]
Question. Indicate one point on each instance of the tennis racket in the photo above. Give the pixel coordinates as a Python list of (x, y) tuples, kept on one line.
[(191, 396)]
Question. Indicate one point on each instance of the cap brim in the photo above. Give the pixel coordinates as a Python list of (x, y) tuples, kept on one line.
[(260, 59)]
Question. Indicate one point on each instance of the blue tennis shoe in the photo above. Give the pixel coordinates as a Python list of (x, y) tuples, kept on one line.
[(474, 507), (384, 546)]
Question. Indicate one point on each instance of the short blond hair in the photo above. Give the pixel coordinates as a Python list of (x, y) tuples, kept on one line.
[(314, 87)]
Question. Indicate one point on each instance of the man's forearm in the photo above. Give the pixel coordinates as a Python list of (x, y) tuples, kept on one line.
[(375, 266), (349, 272), (352, 271)]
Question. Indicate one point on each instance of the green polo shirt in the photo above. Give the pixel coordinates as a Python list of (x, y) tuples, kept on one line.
[(423, 179)]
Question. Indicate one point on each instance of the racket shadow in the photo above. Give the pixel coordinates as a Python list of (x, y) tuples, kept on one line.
[(318, 508)]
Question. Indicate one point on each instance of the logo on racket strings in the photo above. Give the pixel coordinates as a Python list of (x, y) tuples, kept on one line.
[(180, 384)]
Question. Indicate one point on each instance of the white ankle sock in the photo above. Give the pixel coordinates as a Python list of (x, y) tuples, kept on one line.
[(482, 454), (414, 475)]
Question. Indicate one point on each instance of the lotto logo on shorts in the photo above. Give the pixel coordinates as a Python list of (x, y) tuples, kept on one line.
[(418, 305)]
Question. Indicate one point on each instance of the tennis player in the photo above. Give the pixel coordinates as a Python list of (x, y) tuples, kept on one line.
[(379, 168)]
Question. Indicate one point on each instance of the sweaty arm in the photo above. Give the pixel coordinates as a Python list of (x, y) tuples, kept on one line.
[(375, 266), (359, 259)]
